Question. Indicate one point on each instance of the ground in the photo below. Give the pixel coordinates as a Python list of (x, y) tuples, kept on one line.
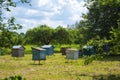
[(56, 67)]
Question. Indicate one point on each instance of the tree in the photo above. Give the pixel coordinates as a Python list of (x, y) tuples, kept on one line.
[(102, 16), (61, 35), (115, 39), (72, 35), (17, 38), (7, 25), (29, 36), (82, 36), (45, 34), (39, 35)]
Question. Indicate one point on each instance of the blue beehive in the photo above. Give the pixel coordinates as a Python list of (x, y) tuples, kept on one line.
[(49, 49), (88, 50), (38, 54)]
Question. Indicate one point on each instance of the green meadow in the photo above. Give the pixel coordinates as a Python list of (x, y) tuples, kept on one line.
[(90, 26), (56, 67)]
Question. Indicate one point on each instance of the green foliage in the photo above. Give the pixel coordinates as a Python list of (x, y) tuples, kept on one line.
[(15, 78), (43, 34), (8, 25), (115, 39), (90, 59), (72, 36), (5, 51), (39, 35), (99, 52), (107, 77), (102, 16), (102, 20), (61, 35), (8, 39), (81, 36), (98, 44), (25, 1)]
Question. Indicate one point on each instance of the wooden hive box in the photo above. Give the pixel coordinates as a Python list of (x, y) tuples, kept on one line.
[(49, 49), (18, 51), (72, 54), (38, 53)]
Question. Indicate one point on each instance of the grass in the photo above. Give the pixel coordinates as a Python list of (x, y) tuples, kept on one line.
[(28, 48), (56, 67)]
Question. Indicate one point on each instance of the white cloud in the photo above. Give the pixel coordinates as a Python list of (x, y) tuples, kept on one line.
[(57, 9), (29, 22), (50, 12), (75, 17), (62, 2), (31, 12), (52, 23), (43, 2), (77, 7)]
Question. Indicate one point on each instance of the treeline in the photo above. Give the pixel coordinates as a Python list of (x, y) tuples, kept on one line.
[(99, 26), (44, 34)]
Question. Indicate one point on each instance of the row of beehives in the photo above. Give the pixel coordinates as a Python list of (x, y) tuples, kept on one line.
[(75, 54), (39, 53), (18, 51)]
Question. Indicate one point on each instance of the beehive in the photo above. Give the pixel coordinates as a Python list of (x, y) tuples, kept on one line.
[(18, 51), (49, 49), (72, 54), (38, 53)]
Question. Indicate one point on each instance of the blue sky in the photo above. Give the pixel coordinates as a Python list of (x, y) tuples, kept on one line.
[(50, 12)]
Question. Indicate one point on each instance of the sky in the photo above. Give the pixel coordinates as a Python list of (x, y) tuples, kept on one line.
[(50, 12)]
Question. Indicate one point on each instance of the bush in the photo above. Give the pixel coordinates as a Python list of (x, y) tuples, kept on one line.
[(5, 51), (89, 59), (99, 51)]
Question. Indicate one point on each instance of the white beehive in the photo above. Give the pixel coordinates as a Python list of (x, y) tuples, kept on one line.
[(72, 54)]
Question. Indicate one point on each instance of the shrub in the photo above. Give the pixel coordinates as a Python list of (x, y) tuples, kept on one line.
[(5, 51)]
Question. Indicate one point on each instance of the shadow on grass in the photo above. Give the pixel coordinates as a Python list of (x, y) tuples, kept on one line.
[(112, 57), (102, 77), (107, 77), (36, 64)]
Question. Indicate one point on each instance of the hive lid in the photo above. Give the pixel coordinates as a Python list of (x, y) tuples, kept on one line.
[(38, 48), (46, 46), (87, 47), (72, 49), (17, 47)]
